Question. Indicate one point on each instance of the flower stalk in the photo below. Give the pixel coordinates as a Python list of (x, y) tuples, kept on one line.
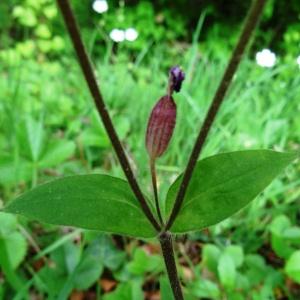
[(160, 128)]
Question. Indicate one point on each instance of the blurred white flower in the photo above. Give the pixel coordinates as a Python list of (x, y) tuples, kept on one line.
[(265, 58), (131, 34), (100, 6), (117, 35), (298, 60)]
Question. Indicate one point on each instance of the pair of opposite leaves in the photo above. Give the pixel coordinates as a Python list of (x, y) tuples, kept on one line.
[(220, 186)]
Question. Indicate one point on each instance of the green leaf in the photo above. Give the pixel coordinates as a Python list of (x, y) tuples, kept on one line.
[(279, 241), (97, 202), (16, 248), (227, 271), (292, 267), (13, 241), (56, 153), (205, 289), (165, 289), (210, 257), (236, 253), (90, 267), (35, 136), (223, 184), (143, 263), (131, 290)]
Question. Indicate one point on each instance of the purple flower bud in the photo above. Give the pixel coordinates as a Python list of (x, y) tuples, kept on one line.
[(160, 126), (176, 78)]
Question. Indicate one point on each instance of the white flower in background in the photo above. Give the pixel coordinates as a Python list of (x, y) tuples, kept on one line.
[(298, 61), (265, 58), (100, 6), (131, 34), (117, 35)]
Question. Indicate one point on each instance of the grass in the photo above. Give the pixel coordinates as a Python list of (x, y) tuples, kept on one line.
[(49, 128)]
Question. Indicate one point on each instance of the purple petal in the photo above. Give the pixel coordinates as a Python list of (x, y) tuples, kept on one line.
[(176, 78)]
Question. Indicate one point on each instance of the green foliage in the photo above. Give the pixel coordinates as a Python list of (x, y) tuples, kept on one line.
[(13, 241), (223, 184), (143, 263), (97, 202), (13, 248), (292, 267)]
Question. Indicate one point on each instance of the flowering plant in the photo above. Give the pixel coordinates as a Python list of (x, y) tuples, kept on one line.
[(208, 191)]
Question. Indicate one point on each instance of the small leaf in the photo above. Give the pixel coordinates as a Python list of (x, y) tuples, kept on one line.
[(56, 153), (223, 184), (292, 267), (205, 289), (227, 271), (89, 268), (143, 263), (14, 242), (236, 253), (210, 257), (165, 289), (279, 225), (16, 248), (97, 202)]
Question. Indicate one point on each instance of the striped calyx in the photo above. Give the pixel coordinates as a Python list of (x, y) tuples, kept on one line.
[(160, 126), (163, 117)]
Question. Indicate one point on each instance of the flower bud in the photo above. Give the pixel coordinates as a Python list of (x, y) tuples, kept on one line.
[(163, 117), (160, 126)]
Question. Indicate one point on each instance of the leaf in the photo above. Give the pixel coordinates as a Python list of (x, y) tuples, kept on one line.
[(205, 289), (292, 267), (130, 290), (111, 257), (97, 202), (279, 224), (279, 241), (210, 257), (16, 248), (56, 153), (13, 241), (35, 136), (165, 289), (223, 184), (90, 267), (227, 271), (236, 253), (256, 268), (12, 171), (143, 263)]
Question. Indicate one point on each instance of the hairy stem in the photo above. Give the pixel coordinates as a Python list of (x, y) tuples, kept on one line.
[(154, 184), (249, 26), (90, 78), (166, 244)]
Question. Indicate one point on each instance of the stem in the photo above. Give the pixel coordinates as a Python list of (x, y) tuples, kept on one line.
[(249, 26), (154, 184), (90, 78), (166, 244)]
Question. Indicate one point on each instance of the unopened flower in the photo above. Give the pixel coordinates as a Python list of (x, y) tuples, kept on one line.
[(176, 78), (163, 117), (160, 126)]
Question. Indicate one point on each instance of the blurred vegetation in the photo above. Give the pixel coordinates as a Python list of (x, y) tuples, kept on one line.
[(49, 128)]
